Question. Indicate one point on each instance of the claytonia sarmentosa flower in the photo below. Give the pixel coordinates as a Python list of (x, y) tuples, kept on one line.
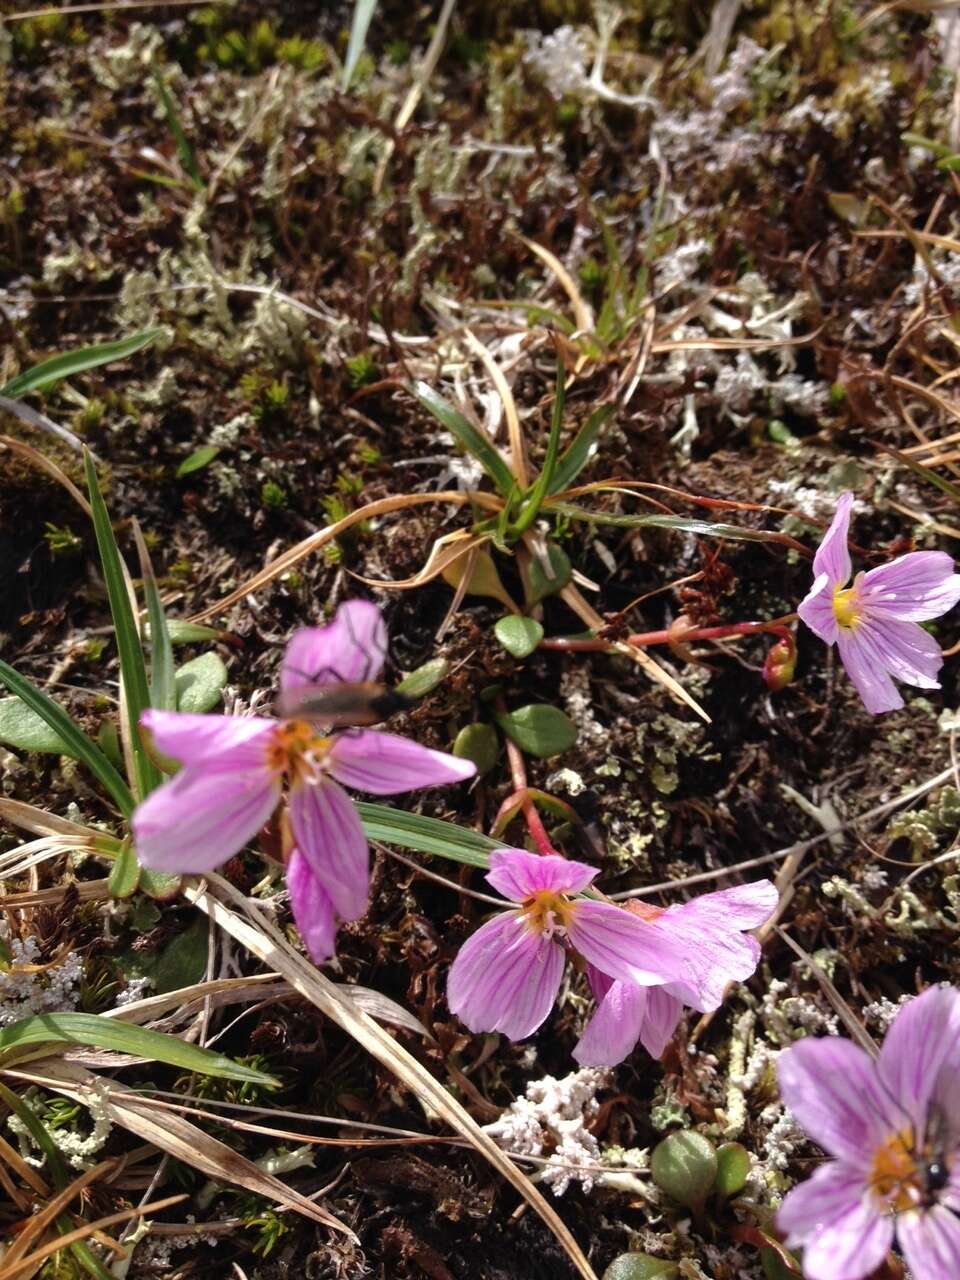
[(893, 1126), (507, 974), (874, 621), (234, 768), (708, 933)]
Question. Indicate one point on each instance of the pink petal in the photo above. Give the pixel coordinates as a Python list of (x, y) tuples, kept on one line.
[(914, 588), (716, 952), (202, 817), (832, 556), (312, 908), (328, 832), (877, 646), (866, 670), (505, 978), (615, 1027), (922, 1044), (664, 1011), (831, 1086), (224, 743), (930, 1240), (384, 763), (518, 875), (816, 610), (623, 946), (844, 1235), (350, 648)]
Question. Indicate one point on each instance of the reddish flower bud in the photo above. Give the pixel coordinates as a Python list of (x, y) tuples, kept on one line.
[(781, 663)]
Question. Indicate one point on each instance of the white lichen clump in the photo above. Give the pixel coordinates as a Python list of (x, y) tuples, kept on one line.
[(25, 991), (553, 1117)]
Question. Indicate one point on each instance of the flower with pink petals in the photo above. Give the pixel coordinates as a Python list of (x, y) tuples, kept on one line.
[(233, 771), (893, 1127), (874, 621), (507, 975), (708, 931)]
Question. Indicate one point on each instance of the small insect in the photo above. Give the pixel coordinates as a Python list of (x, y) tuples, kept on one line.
[(342, 705), (934, 1157)]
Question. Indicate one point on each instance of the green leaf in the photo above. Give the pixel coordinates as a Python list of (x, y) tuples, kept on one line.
[(733, 1168), (478, 742), (518, 635), (640, 1266), (539, 490), (184, 150), (420, 682), (124, 1037), (468, 436), (539, 729), (575, 458), (163, 693), (200, 683), (187, 632), (197, 460), (426, 835), (684, 1165), (78, 745), (136, 692), (124, 874), (22, 728), (541, 583), (71, 362), (363, 11), (108, 740), (159, 885), (683, 524), (178, 965)]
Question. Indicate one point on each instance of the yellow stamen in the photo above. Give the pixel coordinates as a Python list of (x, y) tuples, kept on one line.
[(296, 749), (546, 912), (896, 1178), (846, 606)]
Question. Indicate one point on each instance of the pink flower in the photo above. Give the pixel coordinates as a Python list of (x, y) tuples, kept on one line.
[(707, 934), (507, 975), (233, 771), (893, 1126), (874, 622)]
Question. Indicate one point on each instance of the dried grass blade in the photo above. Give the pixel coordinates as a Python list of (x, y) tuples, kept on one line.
[(581, 311), (315, 541), (518, 448), (43, 463), (39, 1222), (29, 818), (174, 1134), (440, 558), (265, 942)]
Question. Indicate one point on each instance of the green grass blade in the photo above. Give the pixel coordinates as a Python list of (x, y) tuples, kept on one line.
[(163, 687), (925, 473), (126, 1037), (65, 366), (683, 524), (184, 150), (477, 445), (576, 457), (136, 693), (531, 507), (81, 747), (426, 835), (363, 11)]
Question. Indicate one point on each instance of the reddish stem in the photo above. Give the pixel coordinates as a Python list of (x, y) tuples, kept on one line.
[(531, 815), (674, 635)]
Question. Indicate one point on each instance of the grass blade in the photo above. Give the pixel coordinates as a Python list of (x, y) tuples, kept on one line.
[(542, 486), (135, 693), (925, 473), (476, 444), (426, 835), (184, 150), (125, 1037), (71, 362), (576, 457), (81, 747), (163, 688), (683, 524), (363, 11)]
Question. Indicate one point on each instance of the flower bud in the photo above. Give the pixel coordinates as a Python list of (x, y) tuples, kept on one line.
[(781, 663)]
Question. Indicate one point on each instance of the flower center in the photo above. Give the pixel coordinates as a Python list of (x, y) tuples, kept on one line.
[(297, 750), (547, 912), (846, 606), (896, 1176)]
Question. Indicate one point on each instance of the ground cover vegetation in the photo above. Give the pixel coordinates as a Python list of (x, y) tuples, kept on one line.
[(478, 782)]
